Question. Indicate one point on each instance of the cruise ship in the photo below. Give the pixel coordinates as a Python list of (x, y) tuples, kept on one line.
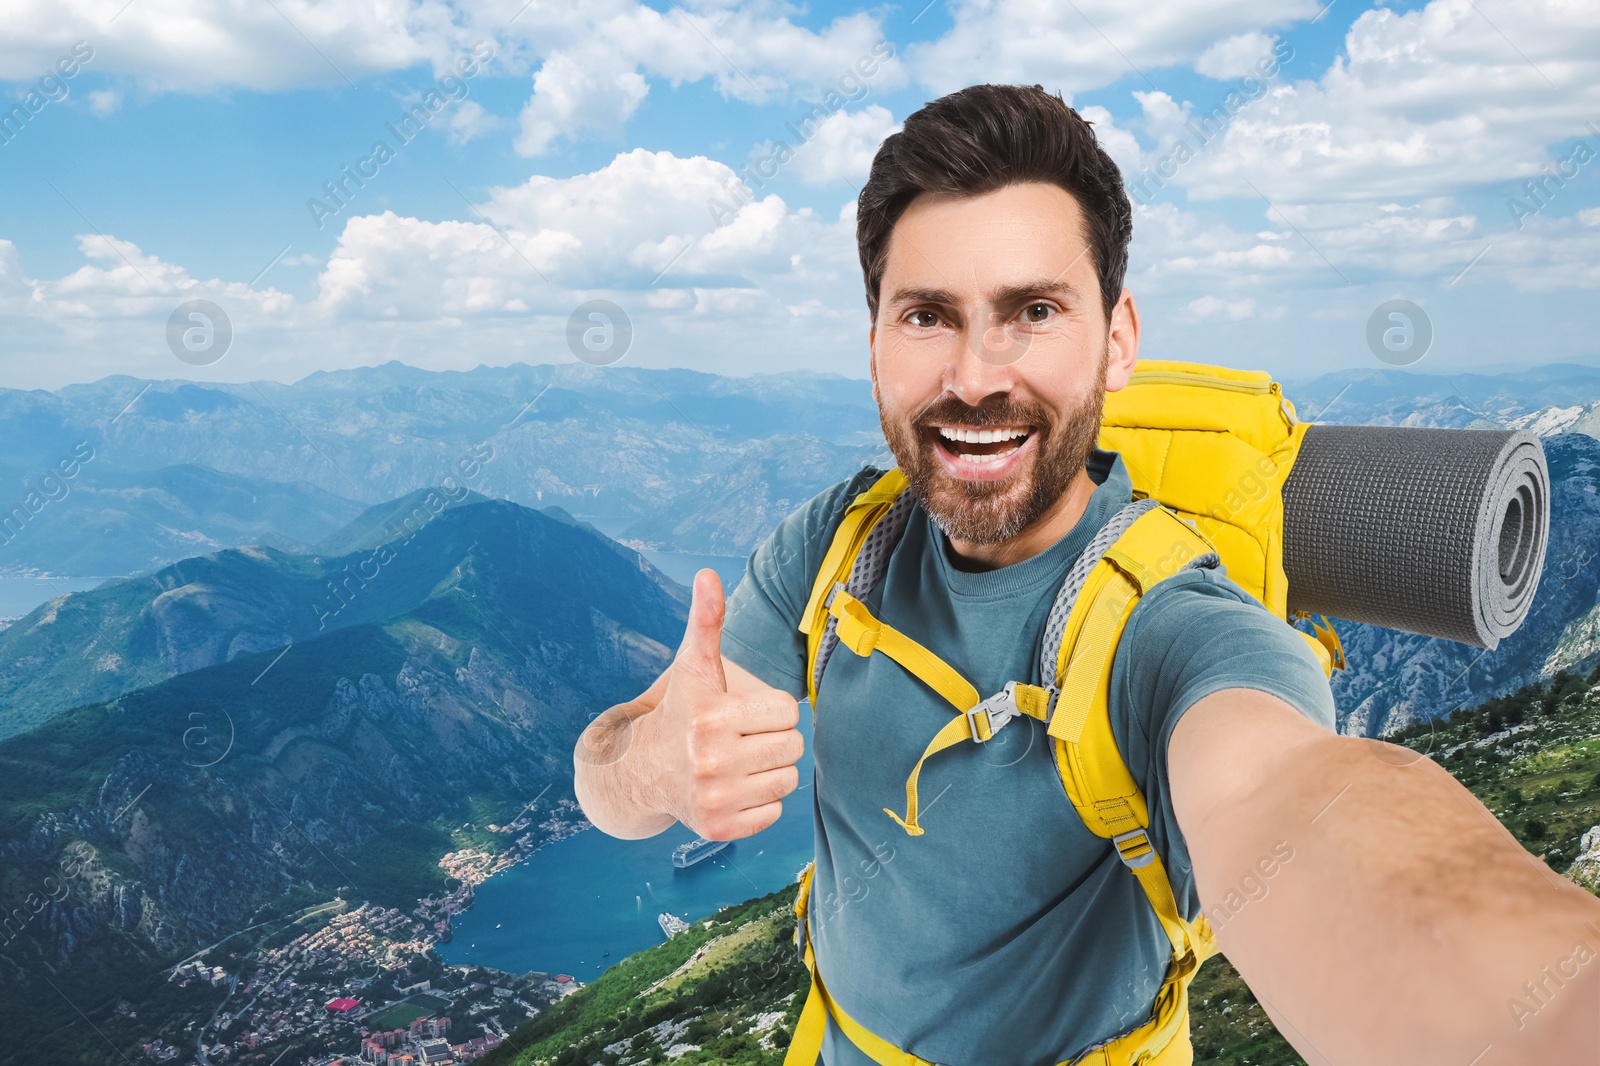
[(699, 848), (671, 924)]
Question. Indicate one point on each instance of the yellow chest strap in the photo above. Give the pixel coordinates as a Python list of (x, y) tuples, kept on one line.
[(977, 720)]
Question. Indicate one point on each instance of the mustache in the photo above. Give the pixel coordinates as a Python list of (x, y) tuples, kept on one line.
[(998, 414)]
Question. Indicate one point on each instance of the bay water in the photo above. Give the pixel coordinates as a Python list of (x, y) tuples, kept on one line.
[(578, 905)]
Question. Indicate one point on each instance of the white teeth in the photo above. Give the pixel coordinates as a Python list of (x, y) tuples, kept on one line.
[(981, 436), (988, 458)]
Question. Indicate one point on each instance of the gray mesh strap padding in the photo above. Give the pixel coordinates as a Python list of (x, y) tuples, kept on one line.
[(1072, 584), (869, 567)]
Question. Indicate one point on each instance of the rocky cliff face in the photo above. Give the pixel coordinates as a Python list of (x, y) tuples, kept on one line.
[(1585, 869)]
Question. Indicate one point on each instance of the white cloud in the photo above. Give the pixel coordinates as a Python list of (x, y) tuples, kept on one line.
[(105, 101), (594, 74), (389, 267), (637, 231), (1424, 103), (453, 294), (1236, 56), (578, 93), (591, 63), (841, 146), (16, 289), (197, 45), (1074, 47), (469, 121), (1211, 307)]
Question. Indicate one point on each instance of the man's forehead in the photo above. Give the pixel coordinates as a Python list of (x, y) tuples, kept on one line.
[(1033, 227), (1009, 209)]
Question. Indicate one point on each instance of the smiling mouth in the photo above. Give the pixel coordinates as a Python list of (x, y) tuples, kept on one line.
[(979, 444)]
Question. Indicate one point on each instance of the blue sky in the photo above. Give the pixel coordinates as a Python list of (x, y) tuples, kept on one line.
[(177, 163)]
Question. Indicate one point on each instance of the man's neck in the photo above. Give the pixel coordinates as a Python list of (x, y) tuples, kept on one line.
[(1050, 527)]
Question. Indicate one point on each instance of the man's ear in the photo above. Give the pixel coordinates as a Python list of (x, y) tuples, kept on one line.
[(1122, 342)]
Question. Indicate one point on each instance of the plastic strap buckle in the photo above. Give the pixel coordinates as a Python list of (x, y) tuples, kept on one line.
[(997, 710), (1135, 837)]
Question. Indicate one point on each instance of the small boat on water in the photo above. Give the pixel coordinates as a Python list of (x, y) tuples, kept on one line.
[(671, 924), (685, 855)]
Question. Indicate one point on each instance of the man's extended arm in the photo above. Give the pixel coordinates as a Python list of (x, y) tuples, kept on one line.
[(1407, 921)]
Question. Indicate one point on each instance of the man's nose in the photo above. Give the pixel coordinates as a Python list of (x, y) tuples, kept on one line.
[(984, 361)]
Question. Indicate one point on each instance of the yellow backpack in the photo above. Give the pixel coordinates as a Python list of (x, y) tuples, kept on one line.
[(1207, 449)]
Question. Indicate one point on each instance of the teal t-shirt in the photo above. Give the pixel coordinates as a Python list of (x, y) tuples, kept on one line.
[(1007, 932)]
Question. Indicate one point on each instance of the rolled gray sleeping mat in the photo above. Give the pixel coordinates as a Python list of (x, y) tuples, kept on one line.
[(1440, 532)]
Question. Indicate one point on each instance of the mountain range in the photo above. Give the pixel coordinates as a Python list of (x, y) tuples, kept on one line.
[(364, 617), (669, 460), (286, 763)]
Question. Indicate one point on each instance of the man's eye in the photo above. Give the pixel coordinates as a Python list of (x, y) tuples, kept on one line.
[(1036, 312), (925, 319)]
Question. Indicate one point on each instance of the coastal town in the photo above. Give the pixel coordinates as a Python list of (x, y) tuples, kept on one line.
[(352, 981)]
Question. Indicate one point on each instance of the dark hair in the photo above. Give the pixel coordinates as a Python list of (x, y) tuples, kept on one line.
[(980, 139)]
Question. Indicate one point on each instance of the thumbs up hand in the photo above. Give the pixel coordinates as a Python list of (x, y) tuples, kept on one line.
[(717, 757)]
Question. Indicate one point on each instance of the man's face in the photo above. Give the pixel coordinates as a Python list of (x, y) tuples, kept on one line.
[(990, 321)]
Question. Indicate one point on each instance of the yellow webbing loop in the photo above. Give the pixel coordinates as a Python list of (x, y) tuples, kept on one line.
[(863, 633), (1325, 644), (1031, 700), (859, 631), (1328, 637)]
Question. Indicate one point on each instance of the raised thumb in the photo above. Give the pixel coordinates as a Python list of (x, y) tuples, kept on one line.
[(701, 651)]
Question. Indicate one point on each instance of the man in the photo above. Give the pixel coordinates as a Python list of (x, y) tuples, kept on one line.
[(1399, 918)]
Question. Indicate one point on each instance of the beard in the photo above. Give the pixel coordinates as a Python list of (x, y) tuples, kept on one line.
[(988, 512)]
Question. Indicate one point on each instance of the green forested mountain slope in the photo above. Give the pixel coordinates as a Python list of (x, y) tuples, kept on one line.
[(335, 767)]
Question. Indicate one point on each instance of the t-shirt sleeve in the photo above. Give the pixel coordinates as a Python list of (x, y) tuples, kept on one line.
[(760, 630), (1194, 634)]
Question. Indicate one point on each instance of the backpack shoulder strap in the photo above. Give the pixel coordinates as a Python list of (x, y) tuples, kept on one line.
[(857, 556), (1156, 545)]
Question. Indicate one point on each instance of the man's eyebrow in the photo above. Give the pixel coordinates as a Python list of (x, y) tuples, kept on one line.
[(1006, 294)]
